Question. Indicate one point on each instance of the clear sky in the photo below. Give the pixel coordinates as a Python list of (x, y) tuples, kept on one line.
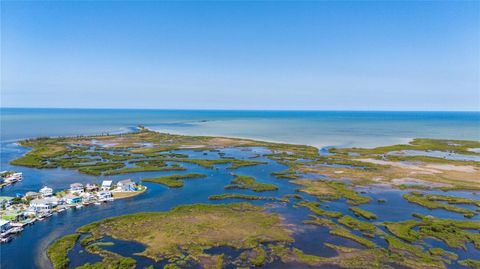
[(364, 55)]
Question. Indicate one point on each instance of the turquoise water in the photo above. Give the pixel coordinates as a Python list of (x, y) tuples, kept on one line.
[(315, 128), (318, 128)]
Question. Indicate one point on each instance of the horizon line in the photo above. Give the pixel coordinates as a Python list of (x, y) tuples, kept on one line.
[(237, 109)]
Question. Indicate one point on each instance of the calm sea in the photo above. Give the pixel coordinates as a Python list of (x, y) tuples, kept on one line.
[(322, 128), (318, 128)]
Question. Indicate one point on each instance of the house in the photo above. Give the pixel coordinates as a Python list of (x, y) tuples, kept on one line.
[(76, 188), (14, 178), (45, 204), (91, 187), (106, 185), (5, 226), (72, 199), (46, 191), (32, 195), (104, 196), (6, 201), (87, 197), (126, 185)]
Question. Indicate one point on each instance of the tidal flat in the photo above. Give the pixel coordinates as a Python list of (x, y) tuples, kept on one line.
[(323, 209)]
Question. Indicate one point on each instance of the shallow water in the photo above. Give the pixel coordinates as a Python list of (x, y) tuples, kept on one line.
[(316, 128)]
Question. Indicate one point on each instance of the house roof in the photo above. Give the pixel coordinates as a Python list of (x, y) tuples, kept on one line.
[(70, 196), (46, 189), (39, 201), (125, 182), (76, 185), (107, 183)]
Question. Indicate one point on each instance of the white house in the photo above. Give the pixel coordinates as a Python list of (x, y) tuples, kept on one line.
[(76, 188), (126, 185), (45, 204), (4, 225), (91, 187), (87, 197), (72, 199), (106, 185), (46, 191), (32, 194), (104, 196), (14, 177), (6, 201)]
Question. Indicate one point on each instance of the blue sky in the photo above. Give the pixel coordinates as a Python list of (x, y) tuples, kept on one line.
[(364, 55)]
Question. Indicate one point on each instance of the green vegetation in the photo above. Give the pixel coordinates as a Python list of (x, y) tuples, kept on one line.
[(346, 258), (431, 203), (173, 167), (412, 256), (455, 233), (452, 199), (337, 230), (110, 259), (363, 213), (186, 231), (246, 182), (331, 190), (244, 197), (470, 263), (313, 206), (457, 146), (173, 181), (366, 228), (58, 251)]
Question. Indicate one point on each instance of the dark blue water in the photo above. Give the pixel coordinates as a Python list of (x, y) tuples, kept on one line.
[(316, 128)]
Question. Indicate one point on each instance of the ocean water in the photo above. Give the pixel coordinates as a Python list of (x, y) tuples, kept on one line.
[(321, 129), (317, 128)]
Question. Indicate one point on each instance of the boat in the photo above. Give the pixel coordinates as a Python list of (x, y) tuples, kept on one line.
[(97, 203), (15, 230), (79, 206), (6, 239)]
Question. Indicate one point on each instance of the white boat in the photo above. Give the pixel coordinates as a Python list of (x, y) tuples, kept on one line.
[(6, 239), (15, 230), (97, 203), (79, 206)]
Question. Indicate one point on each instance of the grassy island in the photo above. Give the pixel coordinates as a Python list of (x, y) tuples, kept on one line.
[(173, 181), (430, 202), (363, 213), (246, 182), (57, 252), (186, 231)]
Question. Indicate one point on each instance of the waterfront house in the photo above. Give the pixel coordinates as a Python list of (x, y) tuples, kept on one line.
[(126, 185), (14, 178), (4, 226), (32, 195), (6, 201), (76, 188), (87, 197), (45, 204), (106, 185), (72, 199), (46, 191), (91, 187), (104, 195)]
